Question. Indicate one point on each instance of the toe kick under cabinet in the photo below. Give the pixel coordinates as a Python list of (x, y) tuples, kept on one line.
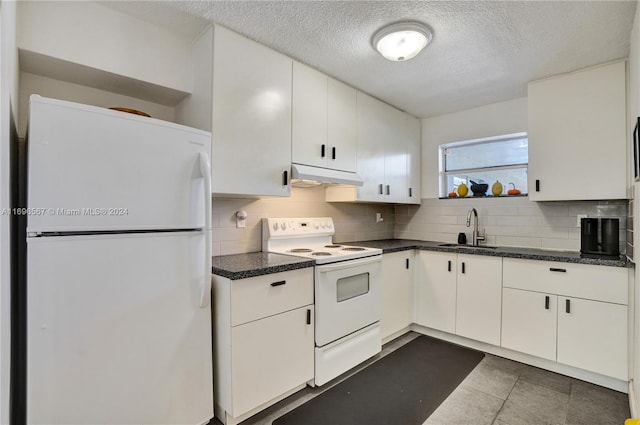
[(575, 314), (263, 341)]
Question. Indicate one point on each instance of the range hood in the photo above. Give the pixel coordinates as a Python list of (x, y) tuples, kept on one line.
[(324, 175)]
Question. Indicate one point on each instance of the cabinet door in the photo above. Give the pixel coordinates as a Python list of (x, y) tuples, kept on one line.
[(395, 156), (270, 357), (397, 292), (342, 118), (592, 335), (479, 298), (577, 135), (414, 158), (251, 117), (435, 305), (309, 112), (372, 127), (529, 322)]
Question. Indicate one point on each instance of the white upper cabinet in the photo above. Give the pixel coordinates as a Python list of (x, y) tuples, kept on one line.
[(387, 139), (577, 135), (341, 125), (309, 116), (323, 120), (251, 117), (414, 157)]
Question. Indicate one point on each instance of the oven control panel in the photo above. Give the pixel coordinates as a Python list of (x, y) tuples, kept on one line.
[(291, 227)]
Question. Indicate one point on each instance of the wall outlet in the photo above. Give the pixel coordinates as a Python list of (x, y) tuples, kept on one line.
[(580, 217), (379, 218)]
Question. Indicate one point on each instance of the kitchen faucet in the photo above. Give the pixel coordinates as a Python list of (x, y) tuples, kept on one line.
[(475, 235)]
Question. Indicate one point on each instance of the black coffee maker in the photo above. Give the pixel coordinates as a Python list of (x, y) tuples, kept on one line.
[(600, 236)]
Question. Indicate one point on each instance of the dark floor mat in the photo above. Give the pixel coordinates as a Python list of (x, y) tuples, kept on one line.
[(402, 388)]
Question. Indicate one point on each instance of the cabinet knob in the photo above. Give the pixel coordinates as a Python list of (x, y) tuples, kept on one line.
[(410, 193), (380, 189), (388, 190)]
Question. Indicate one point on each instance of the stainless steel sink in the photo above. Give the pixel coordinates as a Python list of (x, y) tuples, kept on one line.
[(457, 245)]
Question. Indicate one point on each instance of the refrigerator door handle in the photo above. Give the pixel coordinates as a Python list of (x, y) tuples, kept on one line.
[(205, 171)]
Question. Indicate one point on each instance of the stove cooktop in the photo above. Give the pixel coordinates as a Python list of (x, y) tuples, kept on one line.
[(310, 238)]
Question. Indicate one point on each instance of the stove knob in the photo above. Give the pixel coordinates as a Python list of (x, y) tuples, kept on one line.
[(275, 226), (327, 224), (316, 226), (283, 225)]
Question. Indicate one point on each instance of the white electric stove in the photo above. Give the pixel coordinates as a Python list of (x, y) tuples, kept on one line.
[(347, 287), (310, 238)]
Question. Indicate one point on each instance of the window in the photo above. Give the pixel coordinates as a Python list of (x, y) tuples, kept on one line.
[(502, 158)]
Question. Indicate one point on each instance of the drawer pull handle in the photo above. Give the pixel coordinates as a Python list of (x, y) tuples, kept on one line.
[(333, 153), (463, 267), (308, 316), (322, 151), (537, 185), (553, 269), (380, 189), (546, 302), (388, 190), (410, 193), (407, 264), (567, 306), (285, 178), (449, 267), (280, 282)]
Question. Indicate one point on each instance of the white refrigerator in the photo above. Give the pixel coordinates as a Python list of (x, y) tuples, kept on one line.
[(118, 268)]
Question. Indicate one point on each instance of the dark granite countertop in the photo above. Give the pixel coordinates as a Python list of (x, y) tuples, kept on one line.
[(241, 266), (396, 245)]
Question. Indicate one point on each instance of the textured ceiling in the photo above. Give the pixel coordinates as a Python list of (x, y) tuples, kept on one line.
[(482, 51)]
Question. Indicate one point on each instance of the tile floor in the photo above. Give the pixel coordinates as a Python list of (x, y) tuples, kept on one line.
[(497, 392)]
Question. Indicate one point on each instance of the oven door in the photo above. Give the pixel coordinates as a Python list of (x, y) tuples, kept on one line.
[(347, 297)]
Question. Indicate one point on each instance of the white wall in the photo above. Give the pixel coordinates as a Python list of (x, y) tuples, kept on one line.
[(8, 110), (485, 121), (93, 35)]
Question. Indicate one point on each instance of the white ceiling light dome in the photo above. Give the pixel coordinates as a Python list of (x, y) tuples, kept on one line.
[(402, 41)]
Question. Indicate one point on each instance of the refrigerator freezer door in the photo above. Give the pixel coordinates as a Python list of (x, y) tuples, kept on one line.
[(95, 169), (115, 331)]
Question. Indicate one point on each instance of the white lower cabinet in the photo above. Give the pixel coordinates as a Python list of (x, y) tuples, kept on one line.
[(575, 314), (529, 321), (592, 335), (263, 340), (479, 298), (270, 357), (397, 292), (435, 305), (461, 294)]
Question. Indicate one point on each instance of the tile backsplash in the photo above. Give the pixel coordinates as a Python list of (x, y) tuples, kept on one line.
[(504, 221), (353, 222)]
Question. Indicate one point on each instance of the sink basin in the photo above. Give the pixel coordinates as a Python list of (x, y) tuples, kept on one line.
[(457, 245)]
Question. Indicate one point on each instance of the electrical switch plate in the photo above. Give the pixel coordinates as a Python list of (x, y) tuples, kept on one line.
[(581, 216), (379, 217)]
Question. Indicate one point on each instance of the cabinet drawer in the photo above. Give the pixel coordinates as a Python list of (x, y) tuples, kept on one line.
[(600, 283), (262, 296)]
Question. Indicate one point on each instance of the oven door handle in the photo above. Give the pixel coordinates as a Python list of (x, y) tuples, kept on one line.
[(324, 268)]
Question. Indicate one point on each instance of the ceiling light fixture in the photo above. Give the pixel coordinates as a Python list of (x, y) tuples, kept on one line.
[(401, 41)]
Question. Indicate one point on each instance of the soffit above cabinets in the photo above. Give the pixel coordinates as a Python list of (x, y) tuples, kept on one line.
[(482, 52)]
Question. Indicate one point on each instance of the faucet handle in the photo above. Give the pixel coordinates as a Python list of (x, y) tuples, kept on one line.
[(480, 237)]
